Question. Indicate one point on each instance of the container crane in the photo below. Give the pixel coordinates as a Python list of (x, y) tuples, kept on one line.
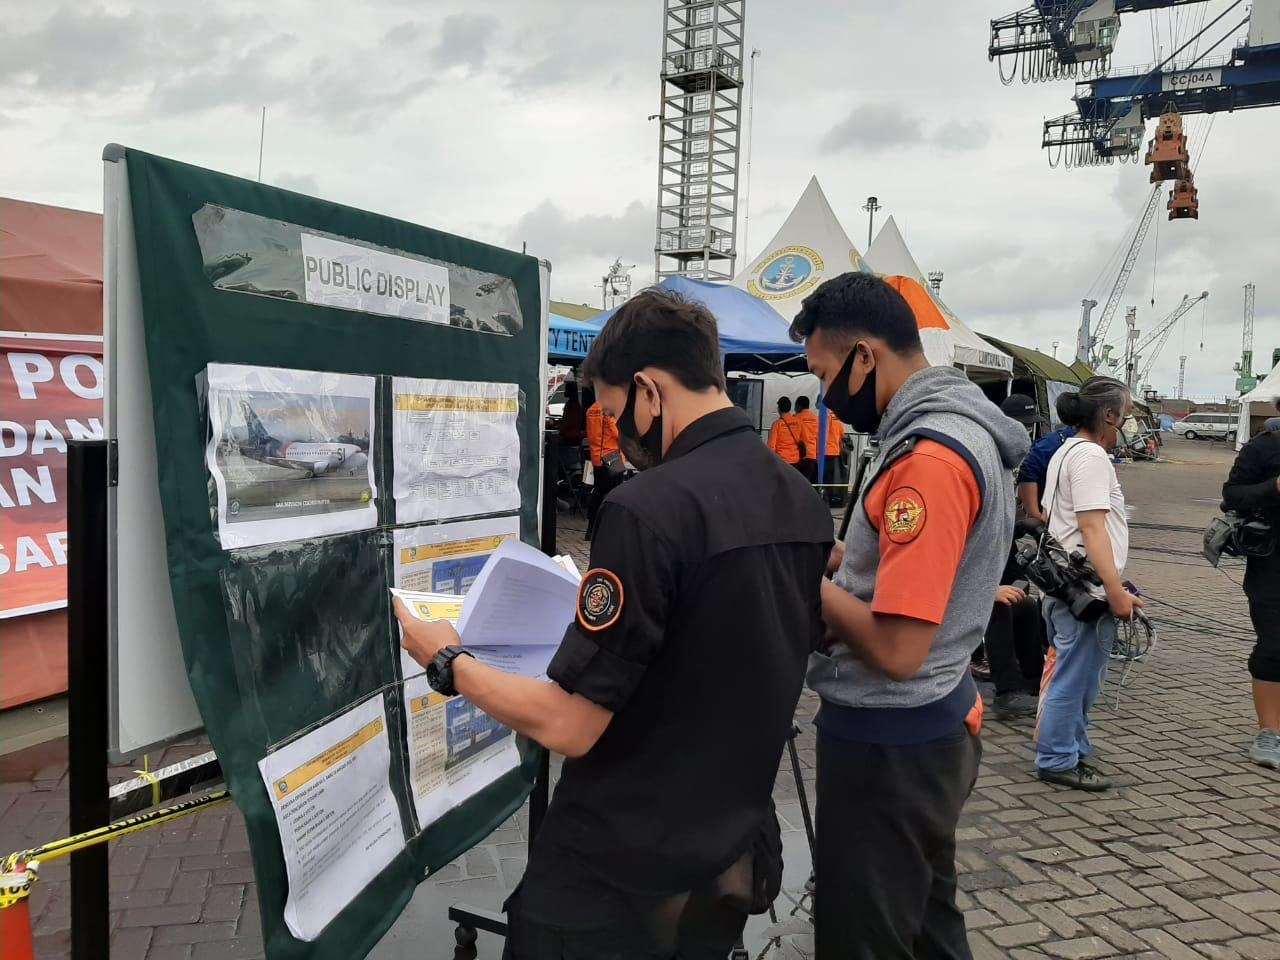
[(1246, 380), (1056, 39), (1111, 110), (1149, 347)]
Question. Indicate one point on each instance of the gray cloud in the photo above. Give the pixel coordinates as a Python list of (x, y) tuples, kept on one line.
[(403, 34), (346, 92), (955, 135), (464, 41), (564, 238), (872, 128), (547, 72)]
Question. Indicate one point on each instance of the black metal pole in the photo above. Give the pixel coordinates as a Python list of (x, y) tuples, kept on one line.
[(550, 482), (550, 476), (87, 477)]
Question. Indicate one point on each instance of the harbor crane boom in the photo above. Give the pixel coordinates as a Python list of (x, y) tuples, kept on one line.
[(1149, 347), (1126, 271)]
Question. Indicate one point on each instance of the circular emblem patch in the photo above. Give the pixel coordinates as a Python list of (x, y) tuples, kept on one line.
[(791, 271), (599, 600), (904, 515)]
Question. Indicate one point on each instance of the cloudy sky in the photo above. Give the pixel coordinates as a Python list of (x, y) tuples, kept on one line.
[(521, 122)]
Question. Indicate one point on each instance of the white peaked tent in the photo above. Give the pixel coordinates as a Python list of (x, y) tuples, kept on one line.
[(808, 248), (890, 256), (1261, 402)]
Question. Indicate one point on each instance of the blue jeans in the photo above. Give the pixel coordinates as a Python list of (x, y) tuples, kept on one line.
[(1082, 652)]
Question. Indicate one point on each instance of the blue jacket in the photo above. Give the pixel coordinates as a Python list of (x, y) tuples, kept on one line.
[(1035, 468)]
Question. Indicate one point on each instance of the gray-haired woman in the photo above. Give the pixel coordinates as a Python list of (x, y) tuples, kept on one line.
[(1086, 511)]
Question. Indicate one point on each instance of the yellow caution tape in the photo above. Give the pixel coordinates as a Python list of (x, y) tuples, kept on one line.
[(146, 774), (112, 831), (15, 886)]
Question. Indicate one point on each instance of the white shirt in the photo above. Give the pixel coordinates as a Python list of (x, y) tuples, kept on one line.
[(1081, 477)]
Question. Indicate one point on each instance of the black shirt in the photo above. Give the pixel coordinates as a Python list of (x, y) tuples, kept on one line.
[(694, 628), (1251, 488)]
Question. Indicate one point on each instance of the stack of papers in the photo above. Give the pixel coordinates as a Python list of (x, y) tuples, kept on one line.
[(516, 611)]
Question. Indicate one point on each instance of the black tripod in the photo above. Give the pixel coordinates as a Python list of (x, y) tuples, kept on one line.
[(739, 951)]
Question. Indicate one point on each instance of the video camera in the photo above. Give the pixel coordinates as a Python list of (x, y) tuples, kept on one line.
[(1237, 535), (1064, 576)]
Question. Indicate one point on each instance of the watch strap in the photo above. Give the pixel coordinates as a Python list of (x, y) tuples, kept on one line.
[(440, 671)]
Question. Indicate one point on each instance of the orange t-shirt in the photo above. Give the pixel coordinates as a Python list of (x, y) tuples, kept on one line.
[(809, 427), (784, 436), (923, 508), (602, 433), (835, 434)]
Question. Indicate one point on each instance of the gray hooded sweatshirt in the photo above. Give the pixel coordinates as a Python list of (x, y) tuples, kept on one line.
[(939, 404)]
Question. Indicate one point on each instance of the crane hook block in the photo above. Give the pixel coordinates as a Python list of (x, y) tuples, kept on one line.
[(1184, 202), (1167, 153)]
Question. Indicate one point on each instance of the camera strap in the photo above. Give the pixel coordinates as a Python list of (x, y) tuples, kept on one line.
[(1057, 485)]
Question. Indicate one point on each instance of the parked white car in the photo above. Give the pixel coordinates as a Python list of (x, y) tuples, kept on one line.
[(1206, 426)]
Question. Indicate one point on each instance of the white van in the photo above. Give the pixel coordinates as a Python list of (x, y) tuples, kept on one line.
[(1206, 426)]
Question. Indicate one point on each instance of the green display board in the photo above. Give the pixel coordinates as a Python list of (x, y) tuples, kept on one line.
[(277, 637)]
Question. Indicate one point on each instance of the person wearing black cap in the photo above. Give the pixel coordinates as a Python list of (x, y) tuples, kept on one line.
[(1020, 407)]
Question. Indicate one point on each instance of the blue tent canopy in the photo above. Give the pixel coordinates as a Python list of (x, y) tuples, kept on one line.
[(748, 325), (569, 339)]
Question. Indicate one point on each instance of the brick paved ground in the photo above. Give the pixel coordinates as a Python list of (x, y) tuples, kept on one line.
[(1181, 860)]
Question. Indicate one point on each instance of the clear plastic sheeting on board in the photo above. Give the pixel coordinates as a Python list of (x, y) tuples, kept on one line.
[(340, 823), (246, 253), (456, 448), (307, 626), (291, 453)]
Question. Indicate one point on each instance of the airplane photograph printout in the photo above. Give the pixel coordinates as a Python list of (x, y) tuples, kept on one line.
[(290, 452)]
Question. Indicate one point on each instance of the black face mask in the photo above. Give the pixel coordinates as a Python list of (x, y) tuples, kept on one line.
[(642, 452), (858, 411)]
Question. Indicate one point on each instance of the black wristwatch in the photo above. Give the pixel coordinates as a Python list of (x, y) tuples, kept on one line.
[(440, 669)]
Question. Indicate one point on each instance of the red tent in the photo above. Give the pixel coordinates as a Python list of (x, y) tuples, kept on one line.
[(50, 391)]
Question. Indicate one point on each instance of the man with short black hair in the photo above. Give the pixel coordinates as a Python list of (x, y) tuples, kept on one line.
[(673, 691), (898, 727)]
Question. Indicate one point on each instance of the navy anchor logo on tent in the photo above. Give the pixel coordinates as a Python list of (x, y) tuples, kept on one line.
[(789, 271)]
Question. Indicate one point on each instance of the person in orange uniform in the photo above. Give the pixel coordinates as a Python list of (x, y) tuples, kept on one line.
[(808, 421), (909, 601), (784, 435), (606, 460), (835, 459)]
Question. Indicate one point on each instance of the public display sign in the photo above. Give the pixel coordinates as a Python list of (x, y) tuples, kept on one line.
[(343, 404), (50, 392)]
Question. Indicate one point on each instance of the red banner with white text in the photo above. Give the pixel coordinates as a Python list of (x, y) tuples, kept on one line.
[(50, 393)]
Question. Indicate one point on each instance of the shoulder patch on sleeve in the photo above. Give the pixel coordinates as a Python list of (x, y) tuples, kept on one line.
[(599, 600), (904, 514)]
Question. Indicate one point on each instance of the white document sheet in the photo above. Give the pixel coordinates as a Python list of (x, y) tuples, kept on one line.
[(339, 822), (354, 277), (447, 557), (455, 749), (521, 597), (455, 447), (525, 660), (426, 607)]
